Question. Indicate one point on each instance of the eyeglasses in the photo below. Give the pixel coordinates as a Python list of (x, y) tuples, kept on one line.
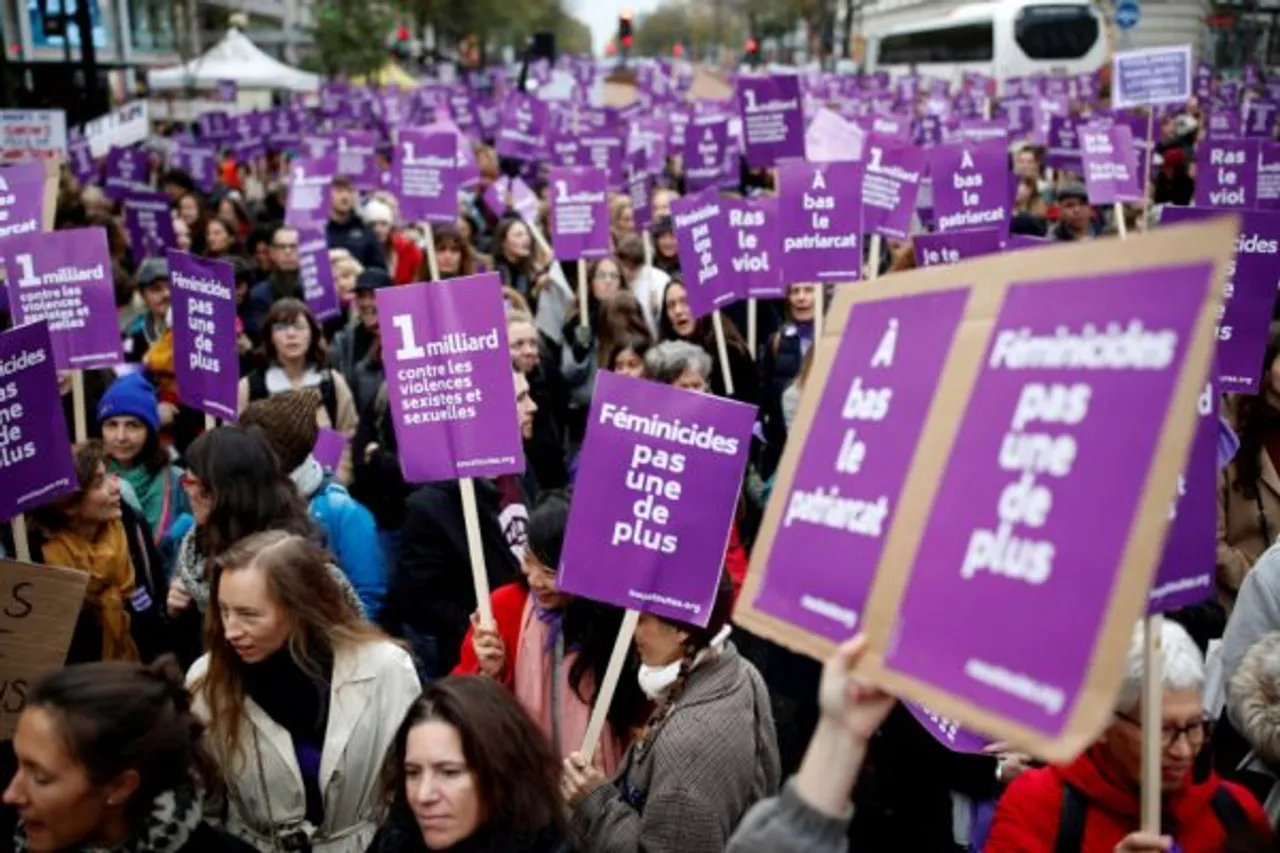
[(1196, 732)]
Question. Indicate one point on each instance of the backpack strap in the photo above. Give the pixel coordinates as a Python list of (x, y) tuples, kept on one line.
[(1230, 813), (258, 385), (1071, 822), (329, 394)]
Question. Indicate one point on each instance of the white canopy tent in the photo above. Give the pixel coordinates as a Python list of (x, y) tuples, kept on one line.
[(234, 58)]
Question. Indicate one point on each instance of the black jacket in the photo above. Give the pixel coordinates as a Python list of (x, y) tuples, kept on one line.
[(358, 239), (431, 596), (401, 836), (147, 621)]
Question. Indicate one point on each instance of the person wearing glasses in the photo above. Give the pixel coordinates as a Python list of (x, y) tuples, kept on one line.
[(1093, 804), (281, 282)]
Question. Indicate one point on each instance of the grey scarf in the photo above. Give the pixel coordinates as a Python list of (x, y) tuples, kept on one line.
[(174, 816)]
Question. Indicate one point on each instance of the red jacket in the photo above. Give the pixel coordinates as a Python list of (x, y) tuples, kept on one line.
[(408, 260), (1028, 814), (508, 609)]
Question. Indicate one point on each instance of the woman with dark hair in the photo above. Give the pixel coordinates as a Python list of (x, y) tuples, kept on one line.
[(192, 212), (454, 256), (221, 239), (551, 649), (92, 531), (515, 259), (231, 209), (627, 355), (678, 324), (469, 772), (1249, 489), (236, 489), (708, 752), (109, 758), (666, 256), (301, 697), (295, 356)]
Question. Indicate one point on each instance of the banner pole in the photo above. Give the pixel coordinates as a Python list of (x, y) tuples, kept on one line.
[(433, 266), (21, 545), (583, 302), (648, 247), (1152, 694), (1117, 210), (479, 574), (78, 406), (722, 349), (1146, 172), (604, 696), (210, 422), (751, 326), (818, 307), (874, 258)]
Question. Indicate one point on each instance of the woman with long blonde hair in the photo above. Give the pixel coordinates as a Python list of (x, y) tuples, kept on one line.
[(302, 699)]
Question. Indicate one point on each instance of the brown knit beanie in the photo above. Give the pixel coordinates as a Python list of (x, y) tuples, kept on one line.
[(288, 424)]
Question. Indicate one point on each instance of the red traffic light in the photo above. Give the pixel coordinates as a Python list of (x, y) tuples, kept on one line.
[(610, 49), (402, 33), (752, 45), (626, 42), (677, 50)]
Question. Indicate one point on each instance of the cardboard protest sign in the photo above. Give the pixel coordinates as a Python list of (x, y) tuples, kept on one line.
[(118, 129), (830, 138), (329, 447), (705, 145), (1267, 195), (1227, 173), (1244, 317), (579, 212), (127, 172), (952, 247), (310, 183), (970, 184), (703, 241), (21, 199), (35, 451), (315, 273), (205, 356), (149, 221), (426, 176), (39, 606), (522, 133), (1141, 78), (753, 239), (449, 379), (947, 732), (820, 219), (890, 183), (27, 135), (65, 277), (1049, 390), (654, 498), (772, 118), (357, 157), (1111, 170)]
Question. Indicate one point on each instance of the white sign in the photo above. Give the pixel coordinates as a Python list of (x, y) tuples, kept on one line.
[(32, 135), (118, 129)]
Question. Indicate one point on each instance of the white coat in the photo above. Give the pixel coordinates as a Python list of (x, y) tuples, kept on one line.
[(373, 686)]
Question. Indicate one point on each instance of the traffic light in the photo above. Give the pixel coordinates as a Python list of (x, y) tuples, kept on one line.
[(677, 50), (624, 31), (752, 50)]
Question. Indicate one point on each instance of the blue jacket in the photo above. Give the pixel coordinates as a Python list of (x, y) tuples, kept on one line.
[(352, 537)]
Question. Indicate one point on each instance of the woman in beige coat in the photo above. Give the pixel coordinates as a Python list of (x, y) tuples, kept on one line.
[(302, 700)]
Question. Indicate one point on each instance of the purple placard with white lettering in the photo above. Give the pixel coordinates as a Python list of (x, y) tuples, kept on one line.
[(1111, 171), (449, 379), (1245, 316), (654, 497), (1064, 144), (315, 274), (952, 247), (1071, 536), (65, 277), (522, 133), (310, 183), (705, 244), (579, 213), (772, 118), (948, 732), (860, 446), (522, 199), (604, 150), (80, 159), (198, 161), (1267, 196), (971, 186), (1260, 117), (705, 144), (149, 221), (1187, 564), (1227, 173), (426, 176), (35, 450), (753, 237), (329, 447), (1142, 78), (127, 171), (891, 175), (227, 91), (820, 221), (357, 157), (205, 357), (21, 199)]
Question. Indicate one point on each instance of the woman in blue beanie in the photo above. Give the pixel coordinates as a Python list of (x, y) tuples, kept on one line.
[(129, 419)]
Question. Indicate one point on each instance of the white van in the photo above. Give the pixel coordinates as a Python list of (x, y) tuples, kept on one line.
[(1001, 39)]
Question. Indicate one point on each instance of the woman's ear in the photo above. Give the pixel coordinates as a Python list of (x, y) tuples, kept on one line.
[(122, 788)]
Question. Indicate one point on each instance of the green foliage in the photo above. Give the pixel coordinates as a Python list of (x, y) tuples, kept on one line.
[(351, 36)]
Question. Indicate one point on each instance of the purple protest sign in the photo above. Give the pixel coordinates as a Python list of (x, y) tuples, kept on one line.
[(1267, 189), (315, 274), (705, 144), (971, 186), (35, 451), (21, 199), (449, 379), (952, 247), (753, 237), (820, 220), (772, 118), (890, 184), (80, 159), (522, 133), (579, 213), (309, 190), (831, 139), (512, 194), (1142, 78), (64, 277), (227, 91), (329, 447), (1245, 315), (1227, 173), (1187, 566), (126, 172), (198, 161), (205, 357), (1259, 117), (149, 221), (1064, 143), (947, 732), (357, 157), (426, 176), (843, 496), (1111, 171), (654, 497), (1026, 532), (604, 151), (704, 244)]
